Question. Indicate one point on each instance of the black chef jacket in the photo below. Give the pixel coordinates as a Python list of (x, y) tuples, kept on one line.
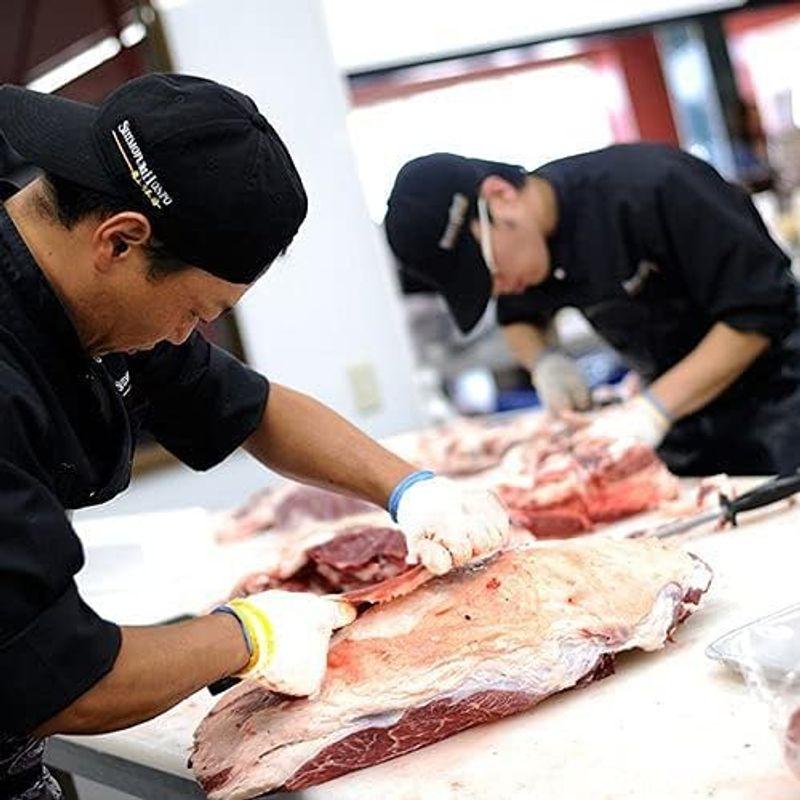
[(654, 247), (67, 424)]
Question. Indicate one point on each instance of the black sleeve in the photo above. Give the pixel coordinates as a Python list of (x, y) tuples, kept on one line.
[(203, 403), (53, 647), (732, 268), (526, 307)]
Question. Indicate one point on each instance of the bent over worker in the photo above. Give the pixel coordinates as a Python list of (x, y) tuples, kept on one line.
[(671, 265), (157, 211)]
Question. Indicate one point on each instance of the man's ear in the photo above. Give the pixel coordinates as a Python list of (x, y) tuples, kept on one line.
[(115, 238), (501, 195)]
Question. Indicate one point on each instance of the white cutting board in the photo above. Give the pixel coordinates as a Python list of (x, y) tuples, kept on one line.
[(671, 725)]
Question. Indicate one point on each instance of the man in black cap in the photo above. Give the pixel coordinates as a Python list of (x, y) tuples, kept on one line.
[(157, 210), (671, 265)]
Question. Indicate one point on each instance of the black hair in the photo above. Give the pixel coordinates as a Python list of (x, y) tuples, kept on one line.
[(69, 203)]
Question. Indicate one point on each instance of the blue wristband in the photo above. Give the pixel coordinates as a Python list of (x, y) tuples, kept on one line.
[(229, 610), (398, 491), (658, 405)]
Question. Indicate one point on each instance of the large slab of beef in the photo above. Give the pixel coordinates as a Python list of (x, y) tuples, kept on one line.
[(464, 649), (561, 492)]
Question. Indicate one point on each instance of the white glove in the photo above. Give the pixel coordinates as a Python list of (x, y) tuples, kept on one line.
[(288, 634), (559, 382), (446, 526), (640, 418)]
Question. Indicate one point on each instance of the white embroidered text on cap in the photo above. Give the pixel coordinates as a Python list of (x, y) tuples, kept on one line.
[(455, 221), (144, 177)]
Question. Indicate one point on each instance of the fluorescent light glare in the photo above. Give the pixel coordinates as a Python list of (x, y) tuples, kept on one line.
[(132, 34), (73, 68)]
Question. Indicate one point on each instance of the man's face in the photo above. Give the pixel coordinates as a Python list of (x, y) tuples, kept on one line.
[(512, 240), (142, 311)]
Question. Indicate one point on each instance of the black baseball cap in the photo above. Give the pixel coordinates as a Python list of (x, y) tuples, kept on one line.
[(196, 157), (429, 208), (14, 171)]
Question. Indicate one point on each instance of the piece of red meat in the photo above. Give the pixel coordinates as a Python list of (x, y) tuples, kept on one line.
[(593, 482), (360, 556), (355, 557)]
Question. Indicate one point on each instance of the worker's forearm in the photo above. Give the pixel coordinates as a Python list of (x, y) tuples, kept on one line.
[(303, 439), (156, 668), (526, 342), (717, 361)]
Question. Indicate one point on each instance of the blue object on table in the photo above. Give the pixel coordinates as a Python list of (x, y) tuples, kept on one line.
[(512, 399)]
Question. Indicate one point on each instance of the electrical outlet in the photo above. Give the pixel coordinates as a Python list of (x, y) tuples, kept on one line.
[(364, 383)]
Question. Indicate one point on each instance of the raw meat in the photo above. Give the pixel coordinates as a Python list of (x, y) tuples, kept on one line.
[(791, 744), (558, 488), (355, 553), (360, 556), (556, 483), (563, 493), (702, 496), (464, 649), (468, 446), (400, 585), (288, 507)]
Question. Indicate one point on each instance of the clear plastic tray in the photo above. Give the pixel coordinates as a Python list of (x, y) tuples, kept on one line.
[(769, 646), (767, 653)]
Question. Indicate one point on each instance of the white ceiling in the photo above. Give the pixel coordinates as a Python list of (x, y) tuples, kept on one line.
[(368, 34)]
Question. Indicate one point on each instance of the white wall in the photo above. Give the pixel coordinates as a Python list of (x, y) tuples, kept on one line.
[(332, 302), (387, 134)]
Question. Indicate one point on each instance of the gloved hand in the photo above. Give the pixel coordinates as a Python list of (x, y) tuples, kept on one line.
[(446, 526), (288, 635), (559, 382), (642, 418)]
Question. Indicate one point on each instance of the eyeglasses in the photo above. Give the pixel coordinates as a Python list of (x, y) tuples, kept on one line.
[(486, 235)]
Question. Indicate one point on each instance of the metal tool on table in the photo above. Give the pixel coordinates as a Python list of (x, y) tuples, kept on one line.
[(771, 491)]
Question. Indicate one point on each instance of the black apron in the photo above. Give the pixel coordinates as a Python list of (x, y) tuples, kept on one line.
[(23, 776), (752, 428)]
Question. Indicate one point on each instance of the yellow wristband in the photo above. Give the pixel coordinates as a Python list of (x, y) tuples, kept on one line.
[(259, 630)]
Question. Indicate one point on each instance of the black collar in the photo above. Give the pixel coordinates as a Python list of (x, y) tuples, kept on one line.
[(563, 266), (30, 307)]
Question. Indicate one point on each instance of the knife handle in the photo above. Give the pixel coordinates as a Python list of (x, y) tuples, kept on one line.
[(768, 492), (222, 685)]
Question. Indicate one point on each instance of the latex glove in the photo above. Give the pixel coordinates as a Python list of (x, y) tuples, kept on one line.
[(288, 635), (559, 382), (447, 526), (640, 418)]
